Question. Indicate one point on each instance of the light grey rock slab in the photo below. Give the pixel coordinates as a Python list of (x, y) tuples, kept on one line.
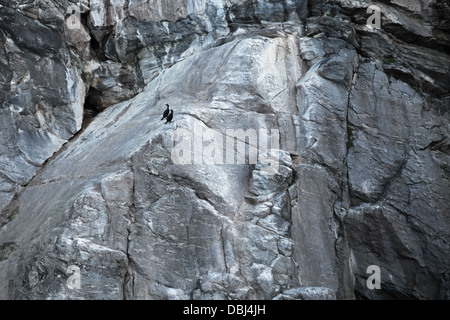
[(307, 293)]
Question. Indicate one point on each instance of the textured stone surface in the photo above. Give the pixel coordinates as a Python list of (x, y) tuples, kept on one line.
[(41, 96), (307, 293), (363, 150)]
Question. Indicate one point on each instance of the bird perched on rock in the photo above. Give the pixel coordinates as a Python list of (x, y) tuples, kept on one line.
[(166, 112), (170, 116)]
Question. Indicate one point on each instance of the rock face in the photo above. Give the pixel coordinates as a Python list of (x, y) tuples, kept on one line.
[(42, 98), (340, 162)]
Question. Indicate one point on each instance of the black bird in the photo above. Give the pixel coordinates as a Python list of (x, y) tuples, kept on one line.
[(166, 112), (170, 116)]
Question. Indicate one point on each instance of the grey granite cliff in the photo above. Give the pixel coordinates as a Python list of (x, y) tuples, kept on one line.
[(357, 119)]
